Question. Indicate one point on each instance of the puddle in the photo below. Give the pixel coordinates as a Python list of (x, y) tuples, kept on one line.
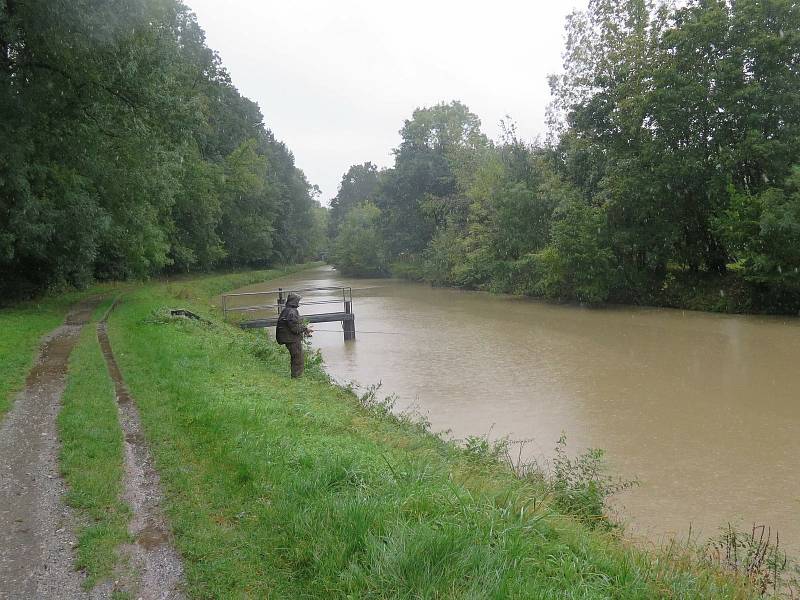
[(151, 536), (135, 438)]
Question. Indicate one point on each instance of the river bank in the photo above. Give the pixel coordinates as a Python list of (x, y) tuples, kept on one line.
[(726, 292), (296, 488), (285, 488), (699, 407)]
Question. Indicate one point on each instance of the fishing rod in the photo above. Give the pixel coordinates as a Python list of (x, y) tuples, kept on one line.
[(359, 331)]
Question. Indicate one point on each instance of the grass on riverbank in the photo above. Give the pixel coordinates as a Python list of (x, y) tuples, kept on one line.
[(91, 456), (22, 328), (293, 489)]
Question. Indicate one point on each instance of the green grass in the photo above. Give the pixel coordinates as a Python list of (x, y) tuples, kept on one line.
[(22, 328), (91, 457), (280, 488)]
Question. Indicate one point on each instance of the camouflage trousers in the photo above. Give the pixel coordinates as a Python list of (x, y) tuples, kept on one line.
[(296, 352)]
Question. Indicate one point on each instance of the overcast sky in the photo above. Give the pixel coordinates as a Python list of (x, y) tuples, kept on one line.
[(335, 80)]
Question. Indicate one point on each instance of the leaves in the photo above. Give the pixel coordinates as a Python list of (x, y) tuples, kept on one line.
[(127, 151)]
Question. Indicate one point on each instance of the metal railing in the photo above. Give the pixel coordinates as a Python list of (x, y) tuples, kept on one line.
[(343, 295)]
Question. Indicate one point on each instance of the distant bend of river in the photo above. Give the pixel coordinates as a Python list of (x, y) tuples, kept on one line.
[(704, 409)]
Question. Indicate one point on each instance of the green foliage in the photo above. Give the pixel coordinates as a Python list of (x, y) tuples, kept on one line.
[(673, 134), (762, 232), (579, 262), (246, 226), (581, 485), (358, 248), (443, 258), (421, 191), (757, 556), (127, 151), (359, 186)]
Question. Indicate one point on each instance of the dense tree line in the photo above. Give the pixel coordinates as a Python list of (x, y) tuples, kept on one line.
[(126, 151), (672, 166)]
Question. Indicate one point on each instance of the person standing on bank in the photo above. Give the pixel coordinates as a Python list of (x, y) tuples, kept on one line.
[(290, 332)]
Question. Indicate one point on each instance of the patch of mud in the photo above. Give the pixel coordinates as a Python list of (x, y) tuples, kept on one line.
[(156, 568), (37, 553), (134, 438), (151, 536)]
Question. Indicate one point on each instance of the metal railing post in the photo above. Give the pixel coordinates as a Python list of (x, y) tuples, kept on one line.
[(349, 325)]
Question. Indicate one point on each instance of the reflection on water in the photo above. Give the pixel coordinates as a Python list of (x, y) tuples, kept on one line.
[(704, 409)]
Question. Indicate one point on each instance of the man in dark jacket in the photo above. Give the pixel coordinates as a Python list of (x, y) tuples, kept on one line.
[(290, 332)]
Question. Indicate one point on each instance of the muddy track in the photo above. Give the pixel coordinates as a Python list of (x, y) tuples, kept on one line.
[(36, 554), (155, 570)]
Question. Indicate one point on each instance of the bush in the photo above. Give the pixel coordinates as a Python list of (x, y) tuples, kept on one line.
[(359, 248), (442, 258), (579, 263), (762, 234), (580, 485)]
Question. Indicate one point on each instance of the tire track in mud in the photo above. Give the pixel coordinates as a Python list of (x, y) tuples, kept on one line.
[(155, 570), (37, 552)]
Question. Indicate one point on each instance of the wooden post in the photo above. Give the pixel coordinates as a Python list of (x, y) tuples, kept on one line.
[(280, 300), (349, 325)]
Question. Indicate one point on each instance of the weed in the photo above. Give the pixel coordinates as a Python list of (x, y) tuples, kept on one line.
[(578, 486), (756, 555)]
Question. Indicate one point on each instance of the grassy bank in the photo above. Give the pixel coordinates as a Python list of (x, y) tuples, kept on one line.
[(91, 456), (294, 489)]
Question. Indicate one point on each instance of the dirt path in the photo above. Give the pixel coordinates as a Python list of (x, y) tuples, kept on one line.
[(36, 554), (156, 570)]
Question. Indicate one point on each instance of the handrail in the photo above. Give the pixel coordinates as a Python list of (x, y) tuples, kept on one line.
[(346, 296), (287, 291)]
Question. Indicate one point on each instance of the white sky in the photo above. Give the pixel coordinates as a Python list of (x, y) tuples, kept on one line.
[(336, 80)]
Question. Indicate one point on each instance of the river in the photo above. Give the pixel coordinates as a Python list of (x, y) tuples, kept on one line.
[(703, 409)]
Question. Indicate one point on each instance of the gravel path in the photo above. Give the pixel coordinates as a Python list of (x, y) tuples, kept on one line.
[(37, 552), (156, 568), (36, 555)]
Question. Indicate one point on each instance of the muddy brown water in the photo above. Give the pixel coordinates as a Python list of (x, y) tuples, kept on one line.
[(704, 409)]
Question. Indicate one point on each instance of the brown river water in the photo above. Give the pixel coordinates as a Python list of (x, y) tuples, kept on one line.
[(703, 409)]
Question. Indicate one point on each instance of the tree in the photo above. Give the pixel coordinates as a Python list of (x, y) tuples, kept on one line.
[(359, 185), (421, 192), (579, 263), (359, 249), (762, 233), (127, 151)]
